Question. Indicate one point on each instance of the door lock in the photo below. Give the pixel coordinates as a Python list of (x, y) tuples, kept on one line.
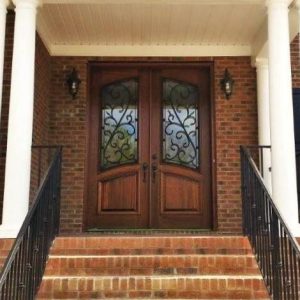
[(145, 168), (154, 156), (154, 170)]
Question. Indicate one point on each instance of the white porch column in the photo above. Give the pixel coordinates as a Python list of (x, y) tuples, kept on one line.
[(263, 104), (281, 114), (3, 11), (17, 172)]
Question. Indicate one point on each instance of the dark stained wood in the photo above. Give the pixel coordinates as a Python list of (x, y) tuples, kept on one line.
[(117, 197), (181, 197), (170, 196)]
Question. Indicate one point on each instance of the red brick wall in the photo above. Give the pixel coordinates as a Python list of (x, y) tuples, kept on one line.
[(41, 114), (295, 61), (68, 128), (236, 124)]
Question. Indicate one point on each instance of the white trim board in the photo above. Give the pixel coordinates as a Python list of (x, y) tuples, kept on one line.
[(136, 50), (199, 2)]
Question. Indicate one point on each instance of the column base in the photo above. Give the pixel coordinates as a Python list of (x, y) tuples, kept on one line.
[(8, 232), (294, 229)]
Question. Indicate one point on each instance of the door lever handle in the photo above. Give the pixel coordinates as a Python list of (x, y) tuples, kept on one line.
[(145, 168), (154, 170)]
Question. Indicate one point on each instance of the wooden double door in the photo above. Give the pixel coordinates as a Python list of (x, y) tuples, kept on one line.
[(149, 149)]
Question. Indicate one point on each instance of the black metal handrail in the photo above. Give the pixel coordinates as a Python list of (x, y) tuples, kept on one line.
[(275, 248), (23, 270), (260, 149)]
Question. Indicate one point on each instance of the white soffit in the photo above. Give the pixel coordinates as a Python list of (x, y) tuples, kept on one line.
[(150, 28)]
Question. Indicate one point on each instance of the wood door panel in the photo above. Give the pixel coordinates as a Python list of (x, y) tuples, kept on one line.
[(119, 195), (180, 127), (149, 177), (180, 194)]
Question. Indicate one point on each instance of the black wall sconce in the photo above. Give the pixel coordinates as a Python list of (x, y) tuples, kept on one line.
[(73, 83), (227, 84)]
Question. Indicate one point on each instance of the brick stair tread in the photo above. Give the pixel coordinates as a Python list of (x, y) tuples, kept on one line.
[(39, 298), (133, 242), (47, 298), (114, 298), (188, 276)]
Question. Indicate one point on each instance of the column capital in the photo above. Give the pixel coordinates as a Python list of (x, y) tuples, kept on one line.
[(278, 3), (4, 3), (297, 4), (261, 63), (27, 3)]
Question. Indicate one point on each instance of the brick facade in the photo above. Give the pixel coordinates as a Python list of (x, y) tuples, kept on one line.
[(60, 120), (295, 61), (236, 124)]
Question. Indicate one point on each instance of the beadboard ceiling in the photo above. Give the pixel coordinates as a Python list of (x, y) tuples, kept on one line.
[(120, 27)]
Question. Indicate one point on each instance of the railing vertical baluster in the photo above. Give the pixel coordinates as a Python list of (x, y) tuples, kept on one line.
[(29, 261), (261, 161), (276, 250), (284, 257), (259, 221), (296, 262), (39, 166), (291, 264), (274, 237)]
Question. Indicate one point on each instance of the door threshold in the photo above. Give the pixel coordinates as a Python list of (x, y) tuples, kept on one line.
[(100, 231)]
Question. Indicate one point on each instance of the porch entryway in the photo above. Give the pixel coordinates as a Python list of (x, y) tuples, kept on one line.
[(149, 146)]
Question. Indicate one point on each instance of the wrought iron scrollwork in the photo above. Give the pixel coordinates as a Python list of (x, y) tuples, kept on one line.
[(180, 123), (119, 123)]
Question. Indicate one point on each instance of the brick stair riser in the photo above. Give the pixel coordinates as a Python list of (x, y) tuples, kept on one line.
[(150, 287), (150, 251), (148, 265)]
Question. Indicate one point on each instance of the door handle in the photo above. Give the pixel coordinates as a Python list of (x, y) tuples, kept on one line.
[(154, 170), (145, 168)]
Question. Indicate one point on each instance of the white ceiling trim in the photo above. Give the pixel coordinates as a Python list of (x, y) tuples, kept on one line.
[(169, 51), (199, 2)]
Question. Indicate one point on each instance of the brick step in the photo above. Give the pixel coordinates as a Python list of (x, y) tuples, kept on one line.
[(147, 245), (5, 246), (176, 287), (152, 265)]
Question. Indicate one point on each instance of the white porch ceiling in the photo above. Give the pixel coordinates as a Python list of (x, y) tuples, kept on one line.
[(152, 27)]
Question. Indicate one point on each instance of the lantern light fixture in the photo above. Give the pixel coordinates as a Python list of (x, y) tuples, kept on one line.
[(73, 81), (227, 84)]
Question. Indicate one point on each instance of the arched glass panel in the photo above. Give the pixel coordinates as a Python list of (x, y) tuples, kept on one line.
[(119, 124), (180, 123)]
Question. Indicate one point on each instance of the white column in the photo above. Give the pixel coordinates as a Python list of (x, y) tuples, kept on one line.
[(263, 104), (18, 160), (284, 185), (3, 11)]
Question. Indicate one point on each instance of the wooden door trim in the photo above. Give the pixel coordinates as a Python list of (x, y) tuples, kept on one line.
[(161, 63)]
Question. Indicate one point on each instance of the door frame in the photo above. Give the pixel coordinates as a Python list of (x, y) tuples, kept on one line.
[(139, 62)]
